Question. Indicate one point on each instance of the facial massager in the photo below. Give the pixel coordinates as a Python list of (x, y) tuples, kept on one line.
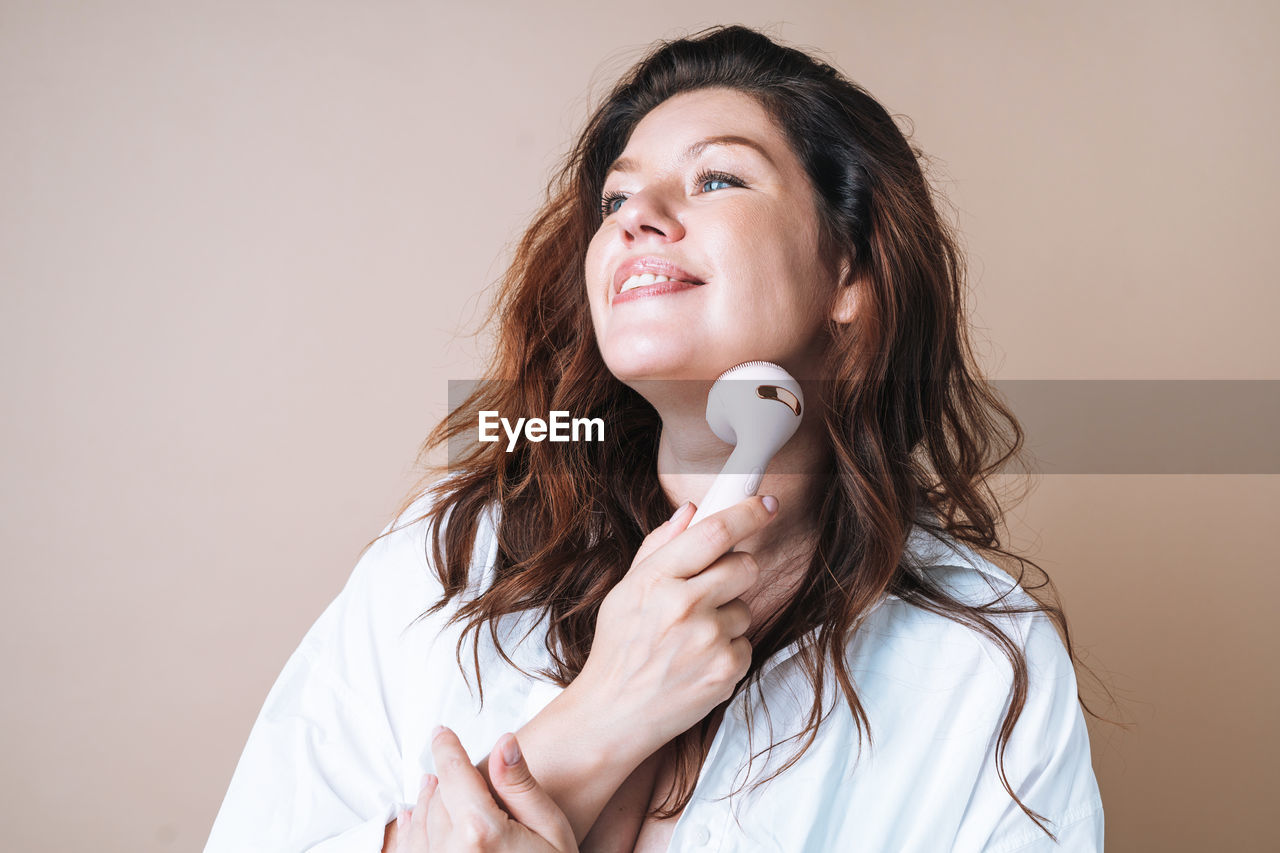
[(756, 407)]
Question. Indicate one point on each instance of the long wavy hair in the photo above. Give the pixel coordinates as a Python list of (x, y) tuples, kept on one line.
[(914, 431)]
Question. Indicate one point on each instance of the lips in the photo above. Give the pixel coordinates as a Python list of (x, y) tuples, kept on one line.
[(654, 265)]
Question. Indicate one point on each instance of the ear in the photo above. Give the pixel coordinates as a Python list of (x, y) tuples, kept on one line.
[(845, 306)]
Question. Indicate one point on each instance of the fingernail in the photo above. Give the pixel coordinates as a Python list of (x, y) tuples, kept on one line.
[(437, 730), (511, 751), (422, 783), (770, 503), (679, 510), (400, 821)]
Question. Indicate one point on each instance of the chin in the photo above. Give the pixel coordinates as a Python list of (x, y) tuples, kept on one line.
[(649, 358), (631, 370)]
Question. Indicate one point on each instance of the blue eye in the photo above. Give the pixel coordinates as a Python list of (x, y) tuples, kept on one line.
[(706, 181), (726, 180), (610, 202)]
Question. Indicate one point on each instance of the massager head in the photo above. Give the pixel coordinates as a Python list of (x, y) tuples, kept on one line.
[(756, 404)]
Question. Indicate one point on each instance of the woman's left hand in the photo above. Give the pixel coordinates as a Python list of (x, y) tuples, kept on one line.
[(455, 811)]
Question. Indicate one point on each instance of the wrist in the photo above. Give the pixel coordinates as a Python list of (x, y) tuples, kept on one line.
[(612, 735), (581, 754)]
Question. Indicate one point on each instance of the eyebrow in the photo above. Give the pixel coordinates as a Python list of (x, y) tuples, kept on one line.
[(626, 164)]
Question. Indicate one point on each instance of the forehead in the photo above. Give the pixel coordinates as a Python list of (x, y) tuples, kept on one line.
[(682, 120)]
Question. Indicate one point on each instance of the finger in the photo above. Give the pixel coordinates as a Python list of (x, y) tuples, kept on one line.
[(416, 838), (524, 798), (741, 650), (438, 825), (466, 795), (666, 531), (729, 577), (697, 547), (398, 839), (430, 782), (734, 618)]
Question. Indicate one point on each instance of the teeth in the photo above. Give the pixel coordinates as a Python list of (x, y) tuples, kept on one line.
[(642, 280)]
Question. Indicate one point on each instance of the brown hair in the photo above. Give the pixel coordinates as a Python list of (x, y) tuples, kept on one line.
[(914, 432)]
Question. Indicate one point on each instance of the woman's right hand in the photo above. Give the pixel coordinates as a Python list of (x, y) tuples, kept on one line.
[(669, 642)]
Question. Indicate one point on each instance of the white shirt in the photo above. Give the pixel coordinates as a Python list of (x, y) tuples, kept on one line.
[(342, 740)]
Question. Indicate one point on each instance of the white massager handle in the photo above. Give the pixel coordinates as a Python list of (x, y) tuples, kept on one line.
[(757, 407)]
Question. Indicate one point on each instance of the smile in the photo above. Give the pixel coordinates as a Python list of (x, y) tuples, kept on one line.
[(646, 279), (651, 275), (640, 289)]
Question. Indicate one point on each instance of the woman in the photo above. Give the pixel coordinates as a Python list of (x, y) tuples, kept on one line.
[(852, 676)]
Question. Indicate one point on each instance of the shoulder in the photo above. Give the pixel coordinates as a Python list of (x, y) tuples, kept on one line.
[(1047, 757), (397, 584), (391, 589), (964, 572), (397, 572), (971, 579), (931, 652)]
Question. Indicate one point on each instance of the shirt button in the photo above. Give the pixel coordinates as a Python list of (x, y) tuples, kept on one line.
[(701, 835)]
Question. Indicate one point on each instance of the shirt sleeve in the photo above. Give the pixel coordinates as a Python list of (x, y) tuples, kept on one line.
[(322, 769), (1047, 762)]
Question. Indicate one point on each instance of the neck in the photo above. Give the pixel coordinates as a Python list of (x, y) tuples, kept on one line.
[(689, 458)]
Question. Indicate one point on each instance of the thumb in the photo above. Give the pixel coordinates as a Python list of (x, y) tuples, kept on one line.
[(665, 532), (524, 799)]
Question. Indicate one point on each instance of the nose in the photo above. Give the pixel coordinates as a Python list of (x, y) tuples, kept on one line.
[(649, 215)]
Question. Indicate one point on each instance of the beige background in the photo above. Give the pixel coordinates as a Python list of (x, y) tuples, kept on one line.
[(237, 237)]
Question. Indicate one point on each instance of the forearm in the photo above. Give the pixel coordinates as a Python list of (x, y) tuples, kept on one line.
[(580, 757)]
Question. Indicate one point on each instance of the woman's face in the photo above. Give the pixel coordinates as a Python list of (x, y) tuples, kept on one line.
[(709, 190)]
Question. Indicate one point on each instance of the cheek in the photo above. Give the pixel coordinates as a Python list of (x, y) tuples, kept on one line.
[(591, 263), (774, 260), (594, 275), (793, 258), (771, 302)]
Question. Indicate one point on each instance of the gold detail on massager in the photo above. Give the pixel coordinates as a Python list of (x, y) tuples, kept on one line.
[(782, 395)]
